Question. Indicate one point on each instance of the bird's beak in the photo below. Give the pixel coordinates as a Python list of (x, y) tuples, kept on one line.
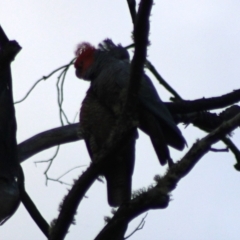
[(77, 72)]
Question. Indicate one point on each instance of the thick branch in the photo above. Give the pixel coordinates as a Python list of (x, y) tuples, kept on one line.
[(70, 203), (157, 197), (9, 165), (209, 121), (204, 104), (69, 133), (48, 139), (140, 33)]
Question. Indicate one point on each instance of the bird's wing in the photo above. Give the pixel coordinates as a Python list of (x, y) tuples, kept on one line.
[(151, 101)]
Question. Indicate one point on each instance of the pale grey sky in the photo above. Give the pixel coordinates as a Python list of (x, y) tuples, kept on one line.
[(195, 47)]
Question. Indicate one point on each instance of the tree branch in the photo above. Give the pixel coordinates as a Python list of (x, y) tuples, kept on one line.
[(69, 133), (9, 165), (204, 104), (31, 208), (70, 203), (158, 197), (48, 139), (207, 121), (132, 9)]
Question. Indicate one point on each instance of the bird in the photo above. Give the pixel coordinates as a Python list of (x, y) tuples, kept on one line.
[(108, 67)]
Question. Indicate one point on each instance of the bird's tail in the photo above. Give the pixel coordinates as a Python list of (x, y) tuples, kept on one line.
[(119, 172), (119, 189)]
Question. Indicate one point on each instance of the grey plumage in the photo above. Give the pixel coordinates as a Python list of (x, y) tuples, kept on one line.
[(109, 74), (97, 122)]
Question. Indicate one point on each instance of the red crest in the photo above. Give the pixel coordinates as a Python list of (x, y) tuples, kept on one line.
[(84, 55)]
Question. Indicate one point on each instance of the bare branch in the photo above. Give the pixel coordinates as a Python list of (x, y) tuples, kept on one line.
[(158, 197), (34, 213), (48, 139), (132, 9), (204, 104), (209, 121), (43, 79), (50, 161), (31, 208), (218, 150), (60, 92), (66, 134), (139, 227), (9, 165), (71, 201), (70, 170), (58, 179)]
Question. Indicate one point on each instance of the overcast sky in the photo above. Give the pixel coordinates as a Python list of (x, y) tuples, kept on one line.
[(194, 46)]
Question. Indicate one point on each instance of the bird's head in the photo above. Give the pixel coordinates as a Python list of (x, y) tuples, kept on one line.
[(91, 61), (85, 58)]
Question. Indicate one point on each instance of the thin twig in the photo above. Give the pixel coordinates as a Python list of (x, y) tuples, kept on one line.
[(31, 207), (219, 150), (60, 92), (61, 182), (132, 9), (42, 79), (75, 117), (50, 161), (60, 98), (70, 170), (139, 227), (132, 45)]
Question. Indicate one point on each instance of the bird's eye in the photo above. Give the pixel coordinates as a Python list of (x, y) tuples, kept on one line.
[(80, 65)]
